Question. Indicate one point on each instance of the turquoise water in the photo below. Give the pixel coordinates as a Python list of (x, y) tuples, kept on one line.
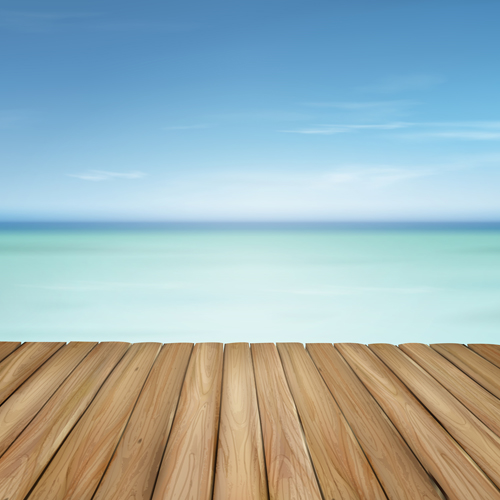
[(251, 285)]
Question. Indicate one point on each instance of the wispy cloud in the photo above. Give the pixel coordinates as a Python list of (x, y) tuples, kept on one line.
[(466, 135), (187, 127), (369, 176), (343, 128), (361, 105), (374, 177), (405, 83), (466, 130), (471, 131), (261, 115), (102, 175)]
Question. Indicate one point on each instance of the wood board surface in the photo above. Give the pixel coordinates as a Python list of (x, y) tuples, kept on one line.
[(477, 399), (116, 421), (397, 469), (7, 348), (341, 466), (475, 438), (491, 352), (25, 460), (78, 466), (133, 469), (27, 401), (240, 470), (188, 466), (475, 366), (21, 364), (438, 452), (290, 473)]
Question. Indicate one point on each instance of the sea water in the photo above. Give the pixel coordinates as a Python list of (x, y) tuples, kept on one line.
[(257, 284)]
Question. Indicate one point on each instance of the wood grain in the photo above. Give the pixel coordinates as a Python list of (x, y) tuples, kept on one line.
[(25, 460), (290, 472), (240, 470), (79, 465), (442, 457), (482, 444), (15, 369), (399, 472), (188, 466), (7, 347), (341, 466), (491, 352), (27, 401), (477, 399), (475, 366), (132, 472)]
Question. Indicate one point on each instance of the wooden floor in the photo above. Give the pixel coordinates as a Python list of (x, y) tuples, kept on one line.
[(120, 421)]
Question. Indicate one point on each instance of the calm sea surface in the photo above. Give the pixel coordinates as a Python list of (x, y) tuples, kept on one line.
[(314, 285)]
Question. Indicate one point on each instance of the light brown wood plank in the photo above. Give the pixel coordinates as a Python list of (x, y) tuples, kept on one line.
[(240, 470), (341, 466), (27, 401), (7, 347), (25, 460), (478, 368), (133, 469), (399, 472), (482, 444), (188, 466), (477, 399), (442, 457), (491, 352), (15, 369), (290, 472), (78, 466)]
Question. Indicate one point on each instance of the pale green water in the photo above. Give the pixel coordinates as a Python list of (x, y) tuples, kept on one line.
[(256, 286)]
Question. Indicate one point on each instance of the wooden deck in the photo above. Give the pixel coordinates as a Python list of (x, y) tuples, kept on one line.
[(119, 421)]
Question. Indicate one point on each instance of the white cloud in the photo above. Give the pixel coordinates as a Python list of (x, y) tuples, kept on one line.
[(102, 175)]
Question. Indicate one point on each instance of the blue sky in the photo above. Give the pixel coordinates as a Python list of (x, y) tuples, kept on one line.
[(249, 110)]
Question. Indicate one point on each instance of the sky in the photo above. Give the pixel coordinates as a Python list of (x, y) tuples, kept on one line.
[(249, 110)]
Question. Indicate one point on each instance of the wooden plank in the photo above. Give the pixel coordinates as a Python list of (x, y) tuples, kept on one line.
[(478, 368), (240, 470), (25, 460), (15, 369), (442, 457), (133, 469), (341, 466), (27, 401), (290, 472), (482, 444), (188, 466), (491, 352), (7, 347), (77, 468), (477, 399), (399, 472)]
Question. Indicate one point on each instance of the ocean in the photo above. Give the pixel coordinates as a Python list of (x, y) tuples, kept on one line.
[(363, 283)]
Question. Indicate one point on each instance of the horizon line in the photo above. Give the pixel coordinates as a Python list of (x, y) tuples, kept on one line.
[(250, 224)]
